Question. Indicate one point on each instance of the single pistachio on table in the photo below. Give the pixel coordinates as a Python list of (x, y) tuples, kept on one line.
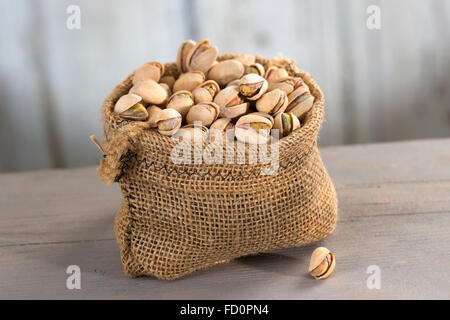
[(272, 102), (189, 81), (183, 52), (253, 129), (206, 91), (168, 121), (192, 132), (286, 123), (226, 71), (245, 59), (230, 102), (286, 84), (129, 107), (150, 70), (201, 56), (252, 86), (275, 73), (256, 68), (181, 101), (152, 114), (169, 80), (300, 101), (150, 91), (206, 113), (322, 263)]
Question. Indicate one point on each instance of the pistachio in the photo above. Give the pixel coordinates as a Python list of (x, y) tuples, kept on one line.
[(246, 59), (272, 102), (166, 87), (183, 52), (206, 113), (189, 81), (322, 263), (129, 107), (169, 80), (253, 86), (168, 121), (286, 84), (192, 131), (275, 73), (206, 91), (150, 70), (181, 101), (230, 103), (253, 129), (255, 68), (226, 71), (152, 114), (201, 56), (219, 127), (234, 83), (150, 91), (300, 101), (265, 115), (286, 123)]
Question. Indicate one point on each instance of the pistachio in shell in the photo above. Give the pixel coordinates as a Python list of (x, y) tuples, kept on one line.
[(191, 132), (150, 70), (275, 73), (201, 56), (219, 127), (206, 91), (206, 113), (253, 129), (181, 101), (322, 263), (252, 86), (286, 123), (183, 52), (272, 102), (150, 91), (189, 81), (265, 115), (152, 114), (129, 107), (286, 84), (167, 88), (226, 71), (169, 80), (300, 101), (230, 102), (234, 83), (256, 68), (168, 121)]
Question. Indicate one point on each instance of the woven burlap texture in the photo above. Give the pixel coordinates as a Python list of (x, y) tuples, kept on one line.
[(179, 218)]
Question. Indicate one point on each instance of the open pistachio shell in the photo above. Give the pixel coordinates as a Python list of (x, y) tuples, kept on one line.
[(265, 115), (125, 102), (300, 101), (150, 70), (253, 129), (183, 52), (255, 68), (220, 127), (286, 84), (136, 112), (150, 91), (234, 83), (322, 263), (272, 102), (253, 86), (189, 81), (168, 121), (152, 114), (181, 101), (286, 123), (275, 73), (191, 132), (206, 91), (226, 71), (169, 80), (202, 56), (230, 103), (167, 88), (206, 113)]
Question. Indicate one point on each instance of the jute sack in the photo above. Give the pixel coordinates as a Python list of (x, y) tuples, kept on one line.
[(178, 218)]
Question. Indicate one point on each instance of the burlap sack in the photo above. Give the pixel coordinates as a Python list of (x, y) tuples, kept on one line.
[(178, 218)]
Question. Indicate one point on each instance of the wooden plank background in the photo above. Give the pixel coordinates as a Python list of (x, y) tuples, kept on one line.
[(380, 85)]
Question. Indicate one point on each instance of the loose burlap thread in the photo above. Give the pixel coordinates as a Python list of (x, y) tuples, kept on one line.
[(179, 218)]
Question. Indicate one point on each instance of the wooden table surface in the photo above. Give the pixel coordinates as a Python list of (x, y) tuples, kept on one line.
[(394, 212)]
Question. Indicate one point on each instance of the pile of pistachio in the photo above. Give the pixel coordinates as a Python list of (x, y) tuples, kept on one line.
[(236, 94)]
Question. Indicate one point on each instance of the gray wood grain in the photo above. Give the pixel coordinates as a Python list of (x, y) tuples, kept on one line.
[(394, 212)]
